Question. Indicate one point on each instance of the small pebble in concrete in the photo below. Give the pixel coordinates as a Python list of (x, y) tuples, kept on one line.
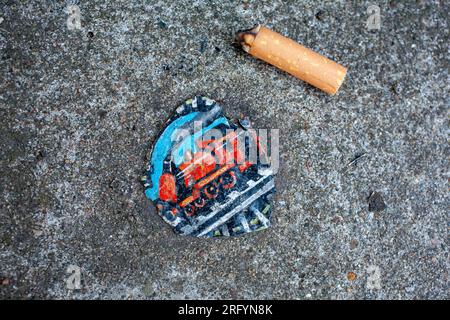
[(353, 244), (203, 45), (351, 276), (320, 15), (162, 24), (376, 202)]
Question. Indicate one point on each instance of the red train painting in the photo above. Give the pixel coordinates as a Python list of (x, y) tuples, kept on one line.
[(208, 186)]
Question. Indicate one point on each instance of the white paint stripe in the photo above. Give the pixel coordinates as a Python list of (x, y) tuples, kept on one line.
[(270, 185), (224, 230), (261, 217), (244, 223), (232, 196)]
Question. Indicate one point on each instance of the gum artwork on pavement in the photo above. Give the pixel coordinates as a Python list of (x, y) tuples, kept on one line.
[(202, 178)]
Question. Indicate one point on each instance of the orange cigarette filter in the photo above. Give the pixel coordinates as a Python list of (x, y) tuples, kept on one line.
[(293, 58)]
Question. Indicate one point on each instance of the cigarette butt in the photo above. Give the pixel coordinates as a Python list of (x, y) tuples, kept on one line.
[(293, 58)]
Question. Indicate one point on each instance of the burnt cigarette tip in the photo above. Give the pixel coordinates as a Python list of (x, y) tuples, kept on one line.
[(246, 37)]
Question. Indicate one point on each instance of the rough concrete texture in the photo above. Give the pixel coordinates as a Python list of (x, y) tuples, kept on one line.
[(79, 110)]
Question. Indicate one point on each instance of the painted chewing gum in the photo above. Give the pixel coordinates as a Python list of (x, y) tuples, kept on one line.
[(200, 179), (293, 58)]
